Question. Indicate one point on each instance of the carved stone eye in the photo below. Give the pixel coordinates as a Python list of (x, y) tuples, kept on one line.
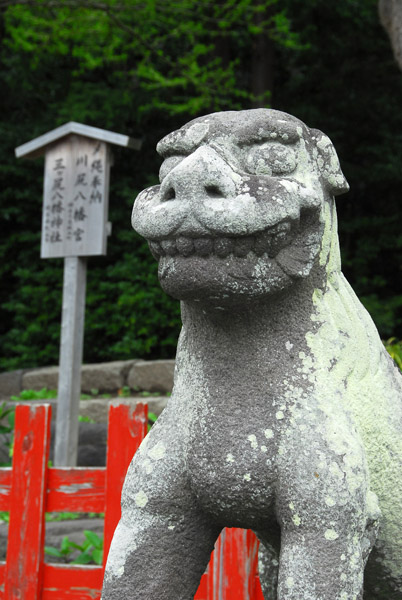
[(168, 164), (271, 158)]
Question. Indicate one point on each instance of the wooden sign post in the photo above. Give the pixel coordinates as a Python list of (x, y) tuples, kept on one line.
[(74, 226)]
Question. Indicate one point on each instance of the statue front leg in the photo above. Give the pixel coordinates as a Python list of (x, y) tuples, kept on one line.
[(315, 566), (163, 542), (152, 558), (268, 567)]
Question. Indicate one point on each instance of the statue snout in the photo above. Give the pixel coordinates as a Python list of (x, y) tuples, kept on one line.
[(200, 177)]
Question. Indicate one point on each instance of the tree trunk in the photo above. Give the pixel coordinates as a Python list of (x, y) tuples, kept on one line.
[(391, 19), (262, 65)]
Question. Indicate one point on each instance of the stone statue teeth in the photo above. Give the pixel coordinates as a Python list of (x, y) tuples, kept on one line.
[(203, 246), (286, 411), (223, 246), (169, 247), (243, 245), (185, 246), (270, 241)]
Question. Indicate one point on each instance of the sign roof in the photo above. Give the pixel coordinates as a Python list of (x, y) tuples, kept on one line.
[(38, 146)]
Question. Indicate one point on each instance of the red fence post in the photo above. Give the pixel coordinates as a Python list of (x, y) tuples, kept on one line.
[(127, 428), (24, 570), (233, 567)]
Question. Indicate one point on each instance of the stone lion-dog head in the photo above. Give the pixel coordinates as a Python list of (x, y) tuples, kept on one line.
[(250, 192)]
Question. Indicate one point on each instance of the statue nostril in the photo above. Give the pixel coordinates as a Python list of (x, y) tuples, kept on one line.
[(170, 194), (213, 191)]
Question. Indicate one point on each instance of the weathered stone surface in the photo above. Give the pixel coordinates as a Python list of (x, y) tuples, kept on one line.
[(152, 375), (92, 444), (10, 383), (105, 377), (37, 379), (156, 404), (286, 412), (96, 409)]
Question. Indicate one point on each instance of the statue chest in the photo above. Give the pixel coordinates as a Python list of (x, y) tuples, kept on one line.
[(232, 461)]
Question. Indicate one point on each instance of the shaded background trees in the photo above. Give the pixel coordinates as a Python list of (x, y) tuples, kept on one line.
[(144, 68)]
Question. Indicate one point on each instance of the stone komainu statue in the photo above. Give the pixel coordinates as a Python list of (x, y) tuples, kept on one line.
[(285, 416)]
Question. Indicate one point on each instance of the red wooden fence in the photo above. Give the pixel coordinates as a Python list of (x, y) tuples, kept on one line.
[(31, 488)]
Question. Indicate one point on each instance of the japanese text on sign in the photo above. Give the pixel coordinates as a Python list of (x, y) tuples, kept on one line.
[(75, 198)]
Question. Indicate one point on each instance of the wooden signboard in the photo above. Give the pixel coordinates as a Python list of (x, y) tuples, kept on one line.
[(75, 203), (74, 226)]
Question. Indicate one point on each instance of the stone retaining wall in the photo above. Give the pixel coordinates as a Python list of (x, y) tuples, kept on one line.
[(138, 375)]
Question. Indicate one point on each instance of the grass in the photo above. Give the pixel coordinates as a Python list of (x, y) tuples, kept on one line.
[(45, 394), (59, 516)]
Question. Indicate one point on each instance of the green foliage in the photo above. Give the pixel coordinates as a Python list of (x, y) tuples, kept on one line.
[(165, 49), (85, 419), (90, 551), (152, 417), (394, 347), (124, 392), (71, 516), (62, 516), (43, 394)]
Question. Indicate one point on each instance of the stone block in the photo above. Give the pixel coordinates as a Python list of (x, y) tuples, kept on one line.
[(10, 383), (98, 408), (105, 377), (47, 377), (92, 444), (152, 375), (155, 404)]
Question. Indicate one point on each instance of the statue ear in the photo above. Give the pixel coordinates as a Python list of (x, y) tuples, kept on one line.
[(328, 164)]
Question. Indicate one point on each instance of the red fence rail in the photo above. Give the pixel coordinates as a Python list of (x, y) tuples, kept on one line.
[(31, 488)]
